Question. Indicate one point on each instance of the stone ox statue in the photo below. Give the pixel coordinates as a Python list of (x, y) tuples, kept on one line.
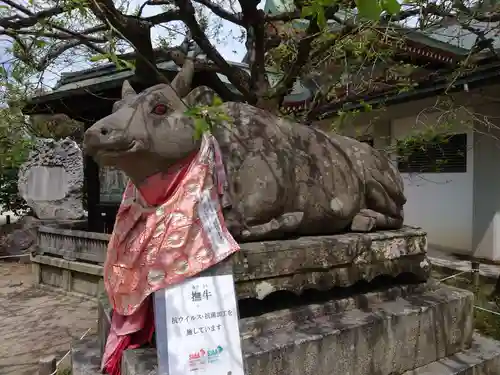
[(284, 178)]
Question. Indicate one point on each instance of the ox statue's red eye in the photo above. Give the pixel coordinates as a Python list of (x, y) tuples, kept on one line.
[(160, 109)]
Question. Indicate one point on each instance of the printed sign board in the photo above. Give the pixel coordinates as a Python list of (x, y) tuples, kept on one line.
[(197, 329)]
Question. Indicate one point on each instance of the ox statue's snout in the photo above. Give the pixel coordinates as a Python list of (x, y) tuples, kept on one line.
[(94, 138)]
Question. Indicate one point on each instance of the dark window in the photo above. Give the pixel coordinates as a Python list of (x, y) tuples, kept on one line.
[(442, 154), (368, 140)]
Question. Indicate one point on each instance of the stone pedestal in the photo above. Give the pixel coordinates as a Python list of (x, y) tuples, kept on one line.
[(369, 317)]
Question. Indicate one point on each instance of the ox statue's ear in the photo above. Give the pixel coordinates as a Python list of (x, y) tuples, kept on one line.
[(127, 90)]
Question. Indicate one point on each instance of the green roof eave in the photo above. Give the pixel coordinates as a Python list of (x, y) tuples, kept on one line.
[(420, 37), (277, 6), (487, 76), (102, 79)]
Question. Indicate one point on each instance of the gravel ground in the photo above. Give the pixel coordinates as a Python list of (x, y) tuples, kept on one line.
[(35, 323)]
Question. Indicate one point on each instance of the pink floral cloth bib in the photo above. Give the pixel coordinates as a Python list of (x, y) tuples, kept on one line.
[(168, 229)]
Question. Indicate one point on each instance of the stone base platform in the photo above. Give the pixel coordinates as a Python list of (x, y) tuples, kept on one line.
[(420, 329), (70, 260), (482, 358), (259, 269), (72, 277)]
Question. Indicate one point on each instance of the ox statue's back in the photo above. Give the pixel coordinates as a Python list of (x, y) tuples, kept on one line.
[(284, 178)]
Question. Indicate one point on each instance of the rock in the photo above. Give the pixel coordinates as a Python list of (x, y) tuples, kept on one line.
[(20, 237), (51, 181)]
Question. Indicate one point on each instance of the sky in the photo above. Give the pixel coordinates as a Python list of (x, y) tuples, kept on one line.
[(227, 43), (230, 48)]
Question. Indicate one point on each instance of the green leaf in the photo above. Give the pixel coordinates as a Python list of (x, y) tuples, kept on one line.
[(198, 133), (217, 101), (223, 117), (200, 127), (98, 58), (320, 17), (17, 73), (192, 112), (40, 43), (121, 64), (391, 6), (307, 11), (370, 9)]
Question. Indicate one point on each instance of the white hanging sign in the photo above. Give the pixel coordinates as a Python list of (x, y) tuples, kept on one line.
[(197, 328)]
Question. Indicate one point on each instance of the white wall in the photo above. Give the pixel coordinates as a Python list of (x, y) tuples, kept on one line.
[(440, 203), (489, 243), (486, 233)]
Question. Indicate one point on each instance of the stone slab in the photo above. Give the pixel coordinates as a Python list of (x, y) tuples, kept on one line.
[(449, 262), (85, 356), (104, 312), (483, 358), (51, 180), (389, 338), (80, 267), (281, 318), (71, 277), (72, 244), (46, 183), (261, 268), (140, 361)]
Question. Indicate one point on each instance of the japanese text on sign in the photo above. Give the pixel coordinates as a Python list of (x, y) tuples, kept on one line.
[(198, 317), (207, 211), (201, 325)]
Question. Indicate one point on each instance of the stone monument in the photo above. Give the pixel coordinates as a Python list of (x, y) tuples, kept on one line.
[(112, 183), (328, 279), (51, 180)]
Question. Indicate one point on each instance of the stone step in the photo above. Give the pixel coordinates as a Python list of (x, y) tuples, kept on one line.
[(483, 358), (387, 339), (86, 356), (276, 320)]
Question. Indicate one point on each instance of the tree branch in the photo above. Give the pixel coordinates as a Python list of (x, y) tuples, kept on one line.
[(221, 12), (60, 36), (236, 76), (135, 31), (13, 26), (152, 2), (32, 19), (284, 17), (171, 15), (254, 23), (53, 53), (286, 83)]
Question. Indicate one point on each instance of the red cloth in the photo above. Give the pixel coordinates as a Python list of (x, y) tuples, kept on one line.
[(119, 341), (136, 330)]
